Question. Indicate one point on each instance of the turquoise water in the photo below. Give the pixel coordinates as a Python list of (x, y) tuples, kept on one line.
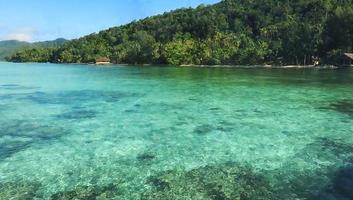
[(124, 132)]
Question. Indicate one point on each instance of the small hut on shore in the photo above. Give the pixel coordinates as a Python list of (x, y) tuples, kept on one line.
[(103, 61), (350, 57)]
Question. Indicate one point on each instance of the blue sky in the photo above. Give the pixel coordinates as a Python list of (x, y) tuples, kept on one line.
[(39, 20)]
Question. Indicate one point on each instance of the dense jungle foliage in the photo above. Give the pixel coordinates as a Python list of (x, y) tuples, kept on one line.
[(230, 32)]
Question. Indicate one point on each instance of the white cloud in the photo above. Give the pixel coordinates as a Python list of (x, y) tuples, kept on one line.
[(19, 36), (22, 34)]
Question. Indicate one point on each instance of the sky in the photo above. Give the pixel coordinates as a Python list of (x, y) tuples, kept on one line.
[(41, 20)]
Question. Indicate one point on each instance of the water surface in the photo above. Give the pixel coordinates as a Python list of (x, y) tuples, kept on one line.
[(125, 132)]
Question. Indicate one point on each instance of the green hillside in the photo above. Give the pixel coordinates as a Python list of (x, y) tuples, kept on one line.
[(9, 47), (230, 32)]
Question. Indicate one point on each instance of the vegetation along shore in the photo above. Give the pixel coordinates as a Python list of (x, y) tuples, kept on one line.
[(231, 32)]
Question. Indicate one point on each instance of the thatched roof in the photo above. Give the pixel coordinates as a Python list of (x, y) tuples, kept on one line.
[(349, 55), (103, 59)]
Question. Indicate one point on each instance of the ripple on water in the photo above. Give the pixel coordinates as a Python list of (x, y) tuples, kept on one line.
[(78, 97), (16, 87)]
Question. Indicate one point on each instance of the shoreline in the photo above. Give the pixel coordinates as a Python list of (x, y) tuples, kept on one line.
[(202, 66), (271, 66)]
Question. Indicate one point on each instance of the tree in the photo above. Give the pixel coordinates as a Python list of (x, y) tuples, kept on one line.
[(338, 35), (229, 32), (181, 51)]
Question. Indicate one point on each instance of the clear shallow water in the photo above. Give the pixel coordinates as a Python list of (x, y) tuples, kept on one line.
[(71, 130)]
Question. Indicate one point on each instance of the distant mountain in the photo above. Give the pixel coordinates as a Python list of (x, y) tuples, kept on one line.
[(231, 32), (9, 47)]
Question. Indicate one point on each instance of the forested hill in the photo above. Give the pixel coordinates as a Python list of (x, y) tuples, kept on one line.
[(229, 32), (9, 47)]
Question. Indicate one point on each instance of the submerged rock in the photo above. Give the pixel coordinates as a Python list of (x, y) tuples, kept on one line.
[(79, 96), (9, 85), (16, 87), (329, 149), (343, 182), (89, 192), (18, 135), (204, 129), (342, 106), (340, 187), (307, 183), (338, 147), (78, 114), (146, 157), (8, 148), (222, 182), (18, 191), (31, 130)]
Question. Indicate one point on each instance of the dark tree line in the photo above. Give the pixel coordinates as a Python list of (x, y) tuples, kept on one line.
[(230, 32)]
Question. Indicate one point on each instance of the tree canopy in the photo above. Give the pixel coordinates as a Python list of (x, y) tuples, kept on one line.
[(229, 32)]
